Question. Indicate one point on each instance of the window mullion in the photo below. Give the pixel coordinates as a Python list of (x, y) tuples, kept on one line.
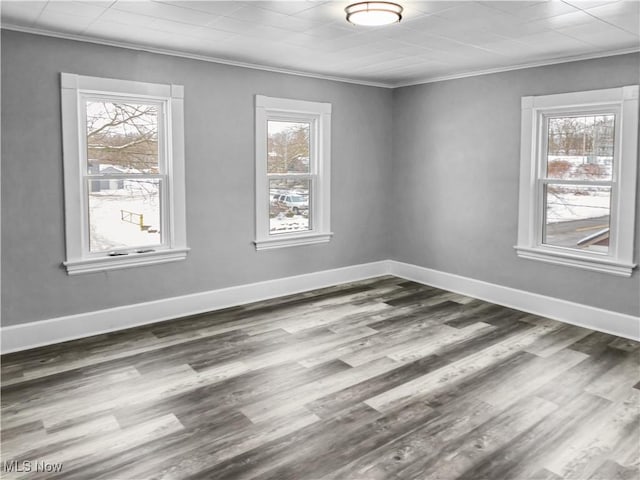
[(560, 181), (98, 176), (287, 175)]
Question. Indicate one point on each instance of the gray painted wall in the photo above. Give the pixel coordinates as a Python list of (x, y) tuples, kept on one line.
[(456, 161), (438, 199), (219, 125)]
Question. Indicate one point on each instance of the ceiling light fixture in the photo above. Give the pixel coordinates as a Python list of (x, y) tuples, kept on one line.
[(373, 13)]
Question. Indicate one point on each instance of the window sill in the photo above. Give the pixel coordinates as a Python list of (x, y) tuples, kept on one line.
[(292, 241), (601, 265), (99, 264)]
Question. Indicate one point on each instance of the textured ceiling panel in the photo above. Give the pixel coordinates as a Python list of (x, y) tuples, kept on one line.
[(434, 40)]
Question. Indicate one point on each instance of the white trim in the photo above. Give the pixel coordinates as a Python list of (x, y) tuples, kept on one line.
[(292, 241), (75, 82), (626, 206), (623, 101), (291, 105), (191, 56), (521, 66), (607, 321), (254, 66), (61, 329), (318, 115), (601, 265), (125, 261), (74, 88)]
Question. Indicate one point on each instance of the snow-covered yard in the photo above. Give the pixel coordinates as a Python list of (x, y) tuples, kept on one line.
[(109, 230), (568, 206), (283, 224)]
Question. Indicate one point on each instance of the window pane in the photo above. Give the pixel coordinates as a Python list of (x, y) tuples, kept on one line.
[(581, 147), (122, 137), (124, 213), (288, 147), (577, 217), (289, 205)]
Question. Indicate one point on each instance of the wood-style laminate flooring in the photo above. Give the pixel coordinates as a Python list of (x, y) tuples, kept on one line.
[(383, 379)]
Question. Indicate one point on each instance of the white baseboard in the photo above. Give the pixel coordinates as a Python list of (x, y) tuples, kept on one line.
[(60, 329), (594, 318), (71, 327)]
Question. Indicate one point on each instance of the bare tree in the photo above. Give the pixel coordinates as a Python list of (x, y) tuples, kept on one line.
[(123, 135), (289, 150)]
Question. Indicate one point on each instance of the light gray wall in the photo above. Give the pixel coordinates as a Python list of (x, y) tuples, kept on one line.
[(440, 199), (456, 161), (219, 128)]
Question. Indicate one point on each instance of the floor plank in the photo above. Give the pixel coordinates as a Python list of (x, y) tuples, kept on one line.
[(382, 379)]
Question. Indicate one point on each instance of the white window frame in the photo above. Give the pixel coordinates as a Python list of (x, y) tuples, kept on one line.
[(75, 89), (619, 260), (318, 115)]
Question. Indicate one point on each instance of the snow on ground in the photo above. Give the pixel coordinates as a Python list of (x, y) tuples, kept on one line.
[(563, 207), (283, 224), (107, 229)]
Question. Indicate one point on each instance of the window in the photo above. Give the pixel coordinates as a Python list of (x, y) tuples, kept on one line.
[(123, 173), (579, 156), (293, 147)]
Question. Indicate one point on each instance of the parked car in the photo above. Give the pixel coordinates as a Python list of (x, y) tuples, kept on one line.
[(296, 203)]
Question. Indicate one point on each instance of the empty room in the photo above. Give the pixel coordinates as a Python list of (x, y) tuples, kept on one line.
[(320, 240)]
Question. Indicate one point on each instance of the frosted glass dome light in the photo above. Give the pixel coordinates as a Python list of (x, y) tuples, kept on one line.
[(373, 13)]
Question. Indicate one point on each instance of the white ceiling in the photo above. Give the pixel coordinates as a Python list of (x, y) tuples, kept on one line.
[(436, 39)]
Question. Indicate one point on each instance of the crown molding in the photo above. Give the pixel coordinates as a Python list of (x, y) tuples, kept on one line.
[(192, 56), (266, 68), (522, 66)]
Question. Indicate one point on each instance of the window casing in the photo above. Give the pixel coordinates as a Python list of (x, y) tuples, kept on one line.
[(579, 155), (293, 145), (123, 146)]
